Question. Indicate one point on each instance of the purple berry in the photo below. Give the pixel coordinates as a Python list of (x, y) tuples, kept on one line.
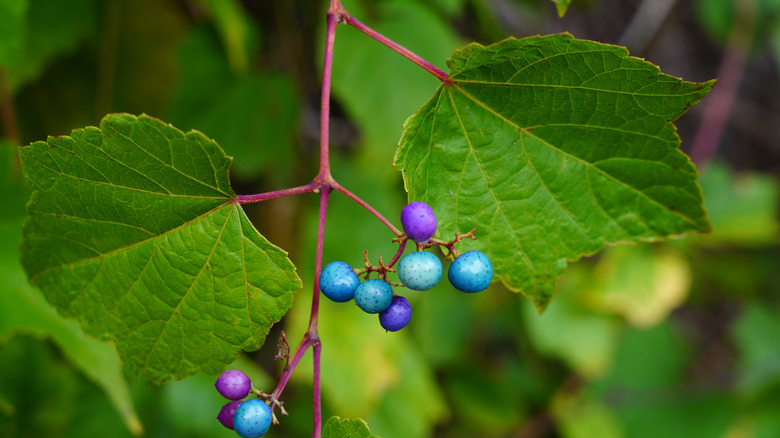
[(233, 384), (252, 419), (227, 413), (418, 221), (397, 315)]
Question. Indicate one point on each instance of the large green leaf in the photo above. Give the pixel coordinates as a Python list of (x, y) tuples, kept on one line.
[(252, 116), (23, 310), (553, 147), (133, 230), (49, 29)]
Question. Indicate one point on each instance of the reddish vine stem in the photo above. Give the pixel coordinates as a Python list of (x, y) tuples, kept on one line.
[(364, 204), (403, 51), (248, 199), (325, 184), (401, 248)]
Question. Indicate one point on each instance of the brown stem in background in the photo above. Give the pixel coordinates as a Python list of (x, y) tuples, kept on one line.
[(107, 59), (8, 110), (721, 100)]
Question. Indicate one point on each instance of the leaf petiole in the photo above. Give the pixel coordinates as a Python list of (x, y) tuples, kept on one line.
[(347, 18)]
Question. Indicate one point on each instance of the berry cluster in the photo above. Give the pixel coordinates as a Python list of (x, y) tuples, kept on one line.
[(250, 418), (420, 270)]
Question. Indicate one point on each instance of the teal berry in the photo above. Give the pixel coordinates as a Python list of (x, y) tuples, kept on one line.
[(471, 272), (338, 282), (419, 270), (374, 296), (252, 419)]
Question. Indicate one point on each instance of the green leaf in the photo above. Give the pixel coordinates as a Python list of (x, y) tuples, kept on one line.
[(742, 207), (360, 63), (585, 340), (755, 333), (335, 427), (581, 417), (253, 117), (642, 283), (51, 28), (12, 30), (134, 231), (552, 147), (562, 6), (235, 29), (23, 309)]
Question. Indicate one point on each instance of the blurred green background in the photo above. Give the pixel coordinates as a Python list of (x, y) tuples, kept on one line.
[(675, 339)]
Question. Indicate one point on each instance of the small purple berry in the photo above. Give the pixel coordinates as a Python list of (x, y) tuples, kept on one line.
[(233, 384), (227, 413), (418, 221), (397, 315)]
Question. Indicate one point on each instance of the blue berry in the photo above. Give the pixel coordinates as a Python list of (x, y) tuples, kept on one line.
[(233, 384), (252, 419), (419, 270), (227, 413), (418, 221), (397, 315), (338, 282), (471, 272), (373, 296)]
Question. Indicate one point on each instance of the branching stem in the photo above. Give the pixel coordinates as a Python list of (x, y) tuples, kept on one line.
[(324, 184)]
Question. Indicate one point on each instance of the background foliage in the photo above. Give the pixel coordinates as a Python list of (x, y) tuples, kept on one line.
[(670, 339)]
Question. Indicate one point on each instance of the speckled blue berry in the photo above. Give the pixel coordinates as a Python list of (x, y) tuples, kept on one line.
[(233, 384), (418, 221), (471, 272), (374, 296), (252, 419), (419, 270), (227, 413), (397, 315), (338, 282)]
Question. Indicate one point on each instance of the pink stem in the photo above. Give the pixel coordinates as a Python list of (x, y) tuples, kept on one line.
[(327, 67), (365, 205), (406, 53), (317, 391), (398, 253), (248, 199), (311, 337), (721, 100), (300, 350)]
